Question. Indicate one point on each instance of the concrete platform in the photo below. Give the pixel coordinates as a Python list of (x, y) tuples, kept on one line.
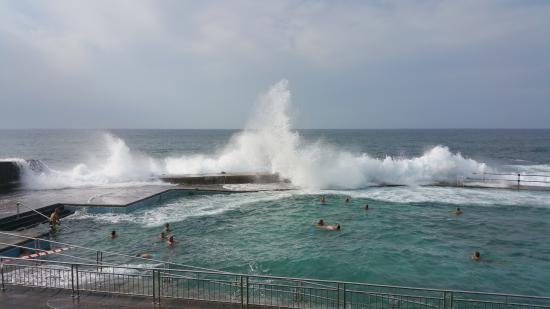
[(6, 241), (31, 298), (33, 199)]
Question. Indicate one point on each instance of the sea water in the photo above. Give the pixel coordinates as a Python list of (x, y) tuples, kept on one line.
[(409, 235)]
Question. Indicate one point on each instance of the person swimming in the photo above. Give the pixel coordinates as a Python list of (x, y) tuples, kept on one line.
[(476, 256), (113, 234), (347, 200), (322, 225), (171, 241), (145, 255), (366, 206), (162, 235), (457, 211), (166, 228), (323, 201)]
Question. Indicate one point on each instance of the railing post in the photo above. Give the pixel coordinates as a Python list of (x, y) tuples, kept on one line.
[(344, 287), (77, 283), (451, 300), (154, 289), (99, 260), (72, 280), (444, 300), (242, 293), (247, 292), (337, 295), (519, 176), (2, 271), (159, 285)]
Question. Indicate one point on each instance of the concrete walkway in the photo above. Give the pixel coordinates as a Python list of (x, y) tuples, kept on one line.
[(31, 298)]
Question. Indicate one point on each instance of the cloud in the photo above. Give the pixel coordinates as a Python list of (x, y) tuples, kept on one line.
[(130, 52)]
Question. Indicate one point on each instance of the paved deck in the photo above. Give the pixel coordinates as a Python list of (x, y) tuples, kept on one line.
[(33, 199), (31, 298), (7, 241)]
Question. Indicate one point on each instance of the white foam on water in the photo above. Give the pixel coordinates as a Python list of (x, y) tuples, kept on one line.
[(268, 144), (457, 196), (180, 209), (122, 168)]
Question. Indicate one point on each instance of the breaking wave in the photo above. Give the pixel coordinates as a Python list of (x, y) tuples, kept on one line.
[(267, 144)]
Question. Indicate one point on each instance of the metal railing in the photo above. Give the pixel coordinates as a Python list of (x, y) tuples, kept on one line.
[(245, 290), (517, 180)]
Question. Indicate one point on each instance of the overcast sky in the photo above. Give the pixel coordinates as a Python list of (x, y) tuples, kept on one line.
[(203, 64)]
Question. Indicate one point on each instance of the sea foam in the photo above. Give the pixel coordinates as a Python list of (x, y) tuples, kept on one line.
[(267, 144)]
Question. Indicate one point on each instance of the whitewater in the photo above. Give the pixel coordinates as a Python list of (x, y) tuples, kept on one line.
[(267, 144)]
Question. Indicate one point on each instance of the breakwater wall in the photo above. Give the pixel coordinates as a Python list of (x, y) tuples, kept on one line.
[(221, 179), (10, 174)]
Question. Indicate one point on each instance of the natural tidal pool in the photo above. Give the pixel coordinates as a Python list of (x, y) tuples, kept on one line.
[(408, 237)]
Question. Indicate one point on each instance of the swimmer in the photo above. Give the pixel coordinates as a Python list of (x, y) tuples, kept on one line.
[(145, 255), (457, 211), (113, 234), (163, 236), (166, 228), (366, 206), (347, 200), (330, 227), (476, 256), (323, 201), (322, 225), (171, 241)]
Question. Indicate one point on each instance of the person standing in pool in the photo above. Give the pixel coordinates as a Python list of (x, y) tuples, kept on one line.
[(166, 228), (366, 207), (113, 234), (323, 201), (54, 219), (476, 256), (346, 200), (457, 211)]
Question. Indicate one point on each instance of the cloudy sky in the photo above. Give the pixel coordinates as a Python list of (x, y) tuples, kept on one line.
[(203, 64)]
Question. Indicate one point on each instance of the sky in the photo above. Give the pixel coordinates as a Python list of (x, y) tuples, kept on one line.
[(203, 64)]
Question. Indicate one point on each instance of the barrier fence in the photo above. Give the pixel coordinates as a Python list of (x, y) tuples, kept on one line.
[(517, 180), (246, 290)]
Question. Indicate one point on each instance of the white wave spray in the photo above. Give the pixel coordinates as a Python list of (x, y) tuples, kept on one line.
[(268, 144)]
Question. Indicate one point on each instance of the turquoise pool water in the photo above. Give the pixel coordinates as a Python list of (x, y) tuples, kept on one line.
[(408, 237)]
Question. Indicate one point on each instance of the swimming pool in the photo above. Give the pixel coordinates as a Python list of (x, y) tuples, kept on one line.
[(405, 241)]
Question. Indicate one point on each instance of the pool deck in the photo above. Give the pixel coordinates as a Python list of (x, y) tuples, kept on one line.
[(7, 241), (31, 298)]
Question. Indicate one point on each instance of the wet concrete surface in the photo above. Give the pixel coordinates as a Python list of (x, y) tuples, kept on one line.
[(30, 298)]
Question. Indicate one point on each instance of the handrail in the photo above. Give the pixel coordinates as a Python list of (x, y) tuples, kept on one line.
[(303, 280), (43, 215), (512, 174), (58, 253)]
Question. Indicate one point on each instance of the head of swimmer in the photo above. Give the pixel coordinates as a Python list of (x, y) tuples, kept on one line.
[(113, 234), (321, 222)]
